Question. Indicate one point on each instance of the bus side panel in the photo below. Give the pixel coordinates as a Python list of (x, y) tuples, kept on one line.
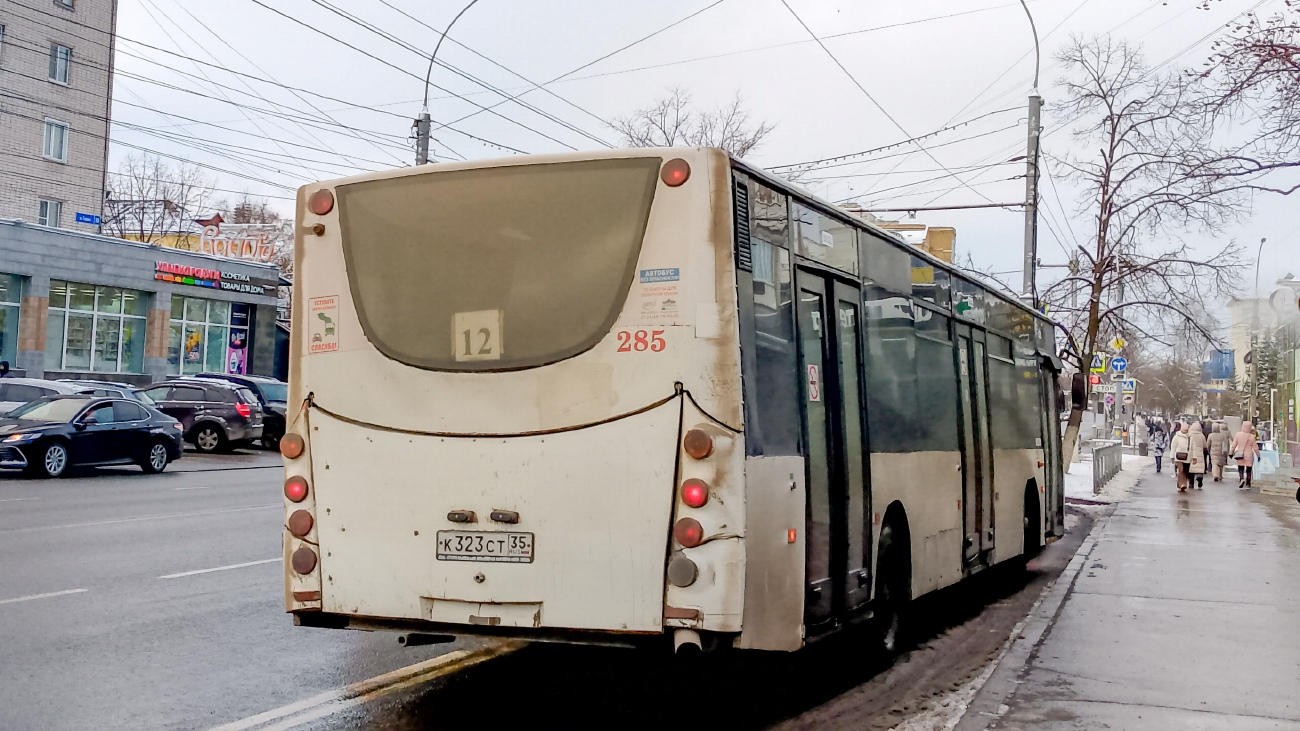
[(1012, 468), (928, 485), (774, 565)]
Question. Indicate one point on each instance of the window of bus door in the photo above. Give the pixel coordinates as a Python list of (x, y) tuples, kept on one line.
[(495, 268), (812, 343), (848, 321)]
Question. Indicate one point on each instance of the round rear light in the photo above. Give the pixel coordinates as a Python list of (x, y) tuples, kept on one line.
[(304, 560), (292, 446), (688, 532), (682, 571), (295, 488), (675, 172), (695, 493), (300, 523), (698, 444), (321, 202)]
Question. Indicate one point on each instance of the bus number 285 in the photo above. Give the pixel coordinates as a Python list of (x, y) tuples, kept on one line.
[(641, 341)]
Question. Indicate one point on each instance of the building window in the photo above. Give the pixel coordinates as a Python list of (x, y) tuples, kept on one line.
[(10, 297), (60, 60), (95, 329), (50, 212), (65, 4), (207, 336), (56, 140)]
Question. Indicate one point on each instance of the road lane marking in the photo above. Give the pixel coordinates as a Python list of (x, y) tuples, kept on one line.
[(220, 568), (334, 701), (147, 517), (17, 499), (204, 487), (42, 596)]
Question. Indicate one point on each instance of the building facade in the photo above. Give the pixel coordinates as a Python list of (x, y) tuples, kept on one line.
[(77, 305), (56, 72)]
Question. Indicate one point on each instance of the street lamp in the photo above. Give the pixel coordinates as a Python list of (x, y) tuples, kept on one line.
[(1029, 291), (423, 123), (1254, 335)]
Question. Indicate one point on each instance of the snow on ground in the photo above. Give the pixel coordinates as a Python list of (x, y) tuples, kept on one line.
[(1078, 481)]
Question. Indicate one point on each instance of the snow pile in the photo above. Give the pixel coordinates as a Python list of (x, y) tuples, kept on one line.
[(1078, 481)]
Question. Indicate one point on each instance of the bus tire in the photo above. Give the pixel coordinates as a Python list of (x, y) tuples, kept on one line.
[(1033, 524), (893, 589)]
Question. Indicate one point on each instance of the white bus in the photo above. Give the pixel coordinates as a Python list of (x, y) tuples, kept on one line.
[(643, 396)]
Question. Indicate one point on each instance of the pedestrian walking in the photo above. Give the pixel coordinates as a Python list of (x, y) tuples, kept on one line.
[(1158, 443), (1181, 445), (1219, 443), (1197, 452), (1245, 449)]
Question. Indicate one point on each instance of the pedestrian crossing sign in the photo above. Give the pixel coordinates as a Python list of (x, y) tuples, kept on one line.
[(1098, 363), (1130, 385)]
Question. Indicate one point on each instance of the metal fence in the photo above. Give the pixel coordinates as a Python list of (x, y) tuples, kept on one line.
[(1107, 461)]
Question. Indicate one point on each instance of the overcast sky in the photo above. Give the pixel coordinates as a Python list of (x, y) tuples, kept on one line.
[(927, 63)]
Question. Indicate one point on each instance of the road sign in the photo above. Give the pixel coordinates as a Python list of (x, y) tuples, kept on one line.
[(87, 218), (1105, 388), (1117, 343), (1119, 365), (1110, 399), (1130, 385), (1128, 398), (1098, 363)]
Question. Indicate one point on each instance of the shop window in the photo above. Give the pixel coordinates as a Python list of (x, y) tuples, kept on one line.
[(207, 336), (95, 329), (10, 301)]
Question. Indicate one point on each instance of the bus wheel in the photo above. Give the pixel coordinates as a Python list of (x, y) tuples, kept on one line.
[(893, 589)]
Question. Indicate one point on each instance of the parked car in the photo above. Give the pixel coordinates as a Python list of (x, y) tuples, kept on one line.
[(47, 436), (15, 392), (273, 395), (109, 389), (215, 415)]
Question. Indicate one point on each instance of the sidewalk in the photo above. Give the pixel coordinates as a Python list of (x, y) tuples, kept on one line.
[(1182, 612)]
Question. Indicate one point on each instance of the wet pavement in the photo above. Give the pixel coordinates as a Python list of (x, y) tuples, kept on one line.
[(1183, 615), (112, 617)]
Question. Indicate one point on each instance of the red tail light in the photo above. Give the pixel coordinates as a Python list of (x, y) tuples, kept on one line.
[(295, 488), (304, 560), (292, 446), (688, 532), (300, 523), (244, 410), (675, 172), (695, 493), (321, 202), (697, 444)]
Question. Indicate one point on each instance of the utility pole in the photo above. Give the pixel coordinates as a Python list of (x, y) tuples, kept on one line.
[(1031, 198), (422, 125), (1254, 337)]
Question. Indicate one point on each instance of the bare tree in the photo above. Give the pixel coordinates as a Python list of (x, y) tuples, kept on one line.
[(1153, 170), (672, 122), (150, 200)]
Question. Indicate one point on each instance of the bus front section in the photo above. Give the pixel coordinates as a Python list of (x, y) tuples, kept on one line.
[(517, 400)]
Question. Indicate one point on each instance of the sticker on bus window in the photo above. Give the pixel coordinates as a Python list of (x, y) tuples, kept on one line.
[(476, 335), (323, 324), (814, 383)]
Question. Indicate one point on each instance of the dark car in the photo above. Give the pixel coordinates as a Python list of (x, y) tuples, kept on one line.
[(48, 435), (216, 415), (108, 389), (273, 394)]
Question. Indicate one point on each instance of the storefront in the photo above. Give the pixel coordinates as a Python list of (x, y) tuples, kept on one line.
[(76, 305)]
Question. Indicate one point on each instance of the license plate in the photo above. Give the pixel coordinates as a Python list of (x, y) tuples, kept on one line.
[(463, 545)]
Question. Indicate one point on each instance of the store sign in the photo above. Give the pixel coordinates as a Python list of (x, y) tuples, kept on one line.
[(214, 279), (246, 243)]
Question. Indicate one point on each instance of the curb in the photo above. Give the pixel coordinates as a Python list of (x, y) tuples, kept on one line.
[(990, 702)]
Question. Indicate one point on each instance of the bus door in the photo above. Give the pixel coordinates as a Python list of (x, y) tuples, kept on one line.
[(976, 449), (830, 324), (1053, 496)]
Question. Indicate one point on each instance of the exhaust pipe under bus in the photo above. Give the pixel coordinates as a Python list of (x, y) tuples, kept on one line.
[(415, 639)]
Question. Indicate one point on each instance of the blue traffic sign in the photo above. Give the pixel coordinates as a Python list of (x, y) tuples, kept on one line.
[(87, 218), (1119, 365)]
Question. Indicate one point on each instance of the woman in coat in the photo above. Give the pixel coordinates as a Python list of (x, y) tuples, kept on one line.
[(1181, 446), (1219, 441), (1245, 449), (1158, 442), (1196, 456)]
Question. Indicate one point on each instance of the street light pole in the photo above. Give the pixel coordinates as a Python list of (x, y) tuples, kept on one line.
[(1030, 290), (423, 123), (1254, 337)]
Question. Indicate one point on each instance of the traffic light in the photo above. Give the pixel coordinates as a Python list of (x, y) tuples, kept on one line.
[(1094, 380)]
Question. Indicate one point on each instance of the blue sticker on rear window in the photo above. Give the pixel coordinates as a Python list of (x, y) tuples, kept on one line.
[(660, 275)]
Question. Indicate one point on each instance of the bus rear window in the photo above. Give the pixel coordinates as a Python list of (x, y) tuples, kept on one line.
[(496, 268)]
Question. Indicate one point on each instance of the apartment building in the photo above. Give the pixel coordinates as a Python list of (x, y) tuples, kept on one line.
[(56, 77)]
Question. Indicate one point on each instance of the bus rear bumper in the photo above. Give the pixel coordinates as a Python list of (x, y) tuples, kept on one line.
[(605, 638)]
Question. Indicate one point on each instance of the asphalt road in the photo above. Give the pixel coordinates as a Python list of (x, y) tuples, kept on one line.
[(130, 601), (95, 635)]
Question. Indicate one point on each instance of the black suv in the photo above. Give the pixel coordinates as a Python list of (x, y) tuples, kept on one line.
[(216, 416), (273, 394)]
